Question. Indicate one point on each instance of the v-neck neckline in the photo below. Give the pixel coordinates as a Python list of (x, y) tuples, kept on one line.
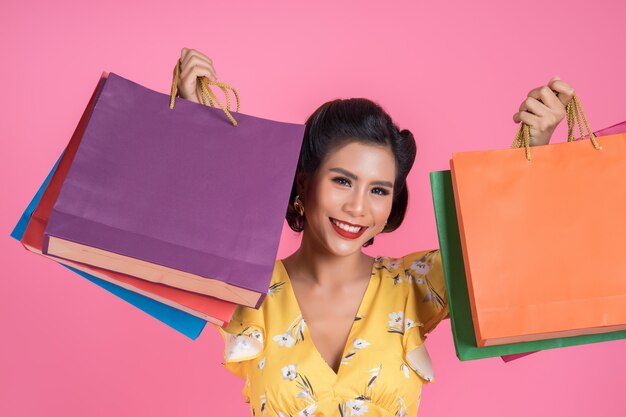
[(365, 296)]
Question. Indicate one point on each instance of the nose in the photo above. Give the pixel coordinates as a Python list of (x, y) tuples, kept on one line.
[(356, 204)]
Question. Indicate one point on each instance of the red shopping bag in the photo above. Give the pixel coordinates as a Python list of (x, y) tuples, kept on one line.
[(204, 307)]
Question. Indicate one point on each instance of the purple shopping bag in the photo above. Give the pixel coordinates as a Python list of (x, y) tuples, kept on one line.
[(177, 196), (612, 130)]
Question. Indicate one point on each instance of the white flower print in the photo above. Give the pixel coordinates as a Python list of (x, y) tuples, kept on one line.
[(299, 329), (308, 412), (289, 372), (360, 343), (257, 335), (243, 344), (357, 407), (410, 278), (405, 370), (263, 403), (432, 295), (388, 264), (398, 279), (284, 339), (346, 359), (293, 335), (420, 267), (262, 363), (408, 323), (275, 288), (396, 320), (304, 394), (306, 388), (395, 264), (375, 372), (401, 408)]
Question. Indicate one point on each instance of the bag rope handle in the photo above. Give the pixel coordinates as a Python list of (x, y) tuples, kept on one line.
[(207, 93), (574, 112)]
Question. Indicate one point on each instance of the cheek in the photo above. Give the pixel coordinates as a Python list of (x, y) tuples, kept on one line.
[(381, 209), (328, 199)]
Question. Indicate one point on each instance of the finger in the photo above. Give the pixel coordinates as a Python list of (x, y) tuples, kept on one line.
[(189, 81), (195, 61), (183, 53), (535, 92), (195, 56), (547, 97), (207, 70), (534, 106), (200, 55), (565, 92), (528, 118)]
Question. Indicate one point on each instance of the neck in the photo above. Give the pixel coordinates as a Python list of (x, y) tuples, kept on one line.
[(315, 264)]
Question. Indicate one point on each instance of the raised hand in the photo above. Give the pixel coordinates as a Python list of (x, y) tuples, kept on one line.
[(543, 110), (194, 64)]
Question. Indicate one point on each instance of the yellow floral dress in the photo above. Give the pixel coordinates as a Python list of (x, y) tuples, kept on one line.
[(384, 362)]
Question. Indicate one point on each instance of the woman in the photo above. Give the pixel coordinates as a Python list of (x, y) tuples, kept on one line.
[(341, 333)]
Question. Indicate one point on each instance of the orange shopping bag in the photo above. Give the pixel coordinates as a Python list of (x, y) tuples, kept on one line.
[(543, 232)]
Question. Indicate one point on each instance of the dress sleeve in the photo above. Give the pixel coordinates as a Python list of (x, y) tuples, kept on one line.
[(426, 305), (244, 338)]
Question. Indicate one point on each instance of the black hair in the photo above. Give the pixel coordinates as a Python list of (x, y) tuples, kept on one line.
[(341, 121)]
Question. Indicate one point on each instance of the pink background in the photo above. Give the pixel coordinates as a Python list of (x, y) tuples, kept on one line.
[(452, 73)]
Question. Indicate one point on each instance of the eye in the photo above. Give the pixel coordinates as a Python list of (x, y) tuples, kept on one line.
[(342, 181), (380, 191)]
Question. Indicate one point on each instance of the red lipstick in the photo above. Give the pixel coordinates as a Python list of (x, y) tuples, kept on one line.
[(345, 233)]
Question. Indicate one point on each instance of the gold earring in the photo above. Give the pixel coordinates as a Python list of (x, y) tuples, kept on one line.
[(297, 204)]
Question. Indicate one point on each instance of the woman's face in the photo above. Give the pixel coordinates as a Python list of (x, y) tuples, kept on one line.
[(349, 199)]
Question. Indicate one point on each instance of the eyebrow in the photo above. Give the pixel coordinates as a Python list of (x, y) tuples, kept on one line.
[(355, 178)]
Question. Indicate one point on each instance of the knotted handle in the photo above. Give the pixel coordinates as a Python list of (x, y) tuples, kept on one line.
[(574, 112), (207, 93)]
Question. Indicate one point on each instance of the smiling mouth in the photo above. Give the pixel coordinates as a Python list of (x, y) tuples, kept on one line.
[(348, 230)]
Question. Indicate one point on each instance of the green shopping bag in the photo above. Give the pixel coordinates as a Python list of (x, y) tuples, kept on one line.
[(456, 286)]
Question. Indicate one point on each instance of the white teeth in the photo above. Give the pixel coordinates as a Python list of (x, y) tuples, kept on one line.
[(351, 229)]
